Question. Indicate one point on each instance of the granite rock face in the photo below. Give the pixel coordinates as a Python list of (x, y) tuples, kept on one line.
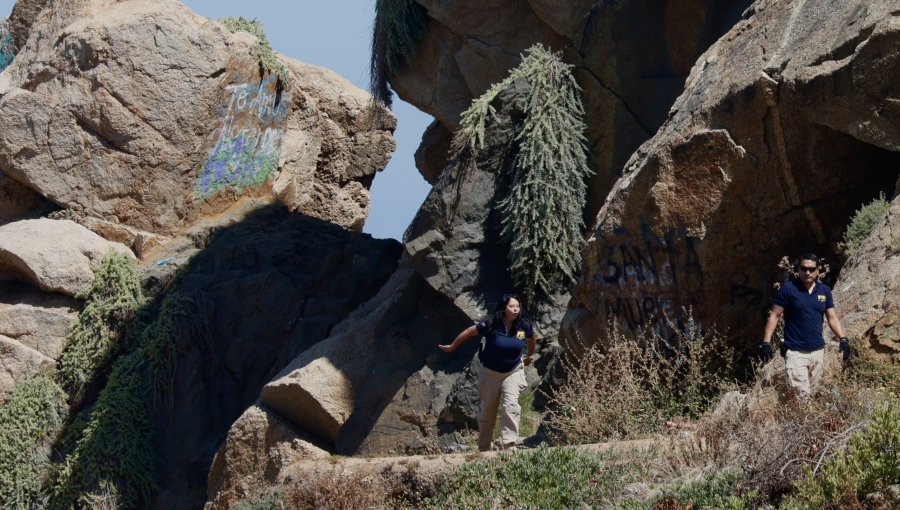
[(786, 126), (869, 288), (97, 119), (631, 58)]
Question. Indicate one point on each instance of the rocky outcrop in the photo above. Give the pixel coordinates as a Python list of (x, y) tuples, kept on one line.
[(259, 446), (868, 290), (54, 255), (96, 118), (631, 59), (785, 127), (39, 320), (261, 288)]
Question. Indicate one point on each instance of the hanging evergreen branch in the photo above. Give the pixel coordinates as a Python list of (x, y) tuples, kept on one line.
[(399, 25), (542, 214)]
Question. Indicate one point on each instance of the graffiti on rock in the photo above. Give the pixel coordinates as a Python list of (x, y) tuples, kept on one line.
[(247, 145), (643, 277), (7, 48)]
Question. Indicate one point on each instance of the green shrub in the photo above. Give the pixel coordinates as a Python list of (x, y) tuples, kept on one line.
[(542, 213), (862, 224), (870, 465), (545, 478), (399, 25), (29, 421), (112, 462), (267, 58), (95, 339), (625, 387)]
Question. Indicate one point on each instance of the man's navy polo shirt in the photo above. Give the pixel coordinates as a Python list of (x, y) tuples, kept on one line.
[(803, 314), (501, 351)]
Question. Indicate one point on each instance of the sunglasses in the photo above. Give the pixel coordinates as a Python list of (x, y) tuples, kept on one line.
[(808, 269)]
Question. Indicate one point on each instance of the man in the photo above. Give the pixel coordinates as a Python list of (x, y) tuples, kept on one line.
[(804, 301)]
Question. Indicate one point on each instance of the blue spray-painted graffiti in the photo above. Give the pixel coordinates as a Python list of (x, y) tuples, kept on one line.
[(248, 144), (7, 48)]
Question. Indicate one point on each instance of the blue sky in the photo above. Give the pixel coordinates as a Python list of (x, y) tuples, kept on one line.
[(336, 34)]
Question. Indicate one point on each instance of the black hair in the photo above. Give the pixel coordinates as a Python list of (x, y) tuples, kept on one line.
[(808, 256), (496, 322)]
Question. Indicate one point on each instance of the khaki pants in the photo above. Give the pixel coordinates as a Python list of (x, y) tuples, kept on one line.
[(498, 388), (804, 370)]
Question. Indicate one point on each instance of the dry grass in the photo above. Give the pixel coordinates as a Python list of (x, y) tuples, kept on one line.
[(773, 439), (623, 387)]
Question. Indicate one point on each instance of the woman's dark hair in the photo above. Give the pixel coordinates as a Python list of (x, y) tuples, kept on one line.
[(497, 319)]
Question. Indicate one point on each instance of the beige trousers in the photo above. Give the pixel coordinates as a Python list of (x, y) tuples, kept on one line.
[(503, 389), (804, 370)]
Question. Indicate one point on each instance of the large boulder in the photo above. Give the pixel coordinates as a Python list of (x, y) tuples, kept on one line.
[(259, 446), (785, 127), (95, 117), (631, 59), (868, 290), (36, 319), (54, 255)]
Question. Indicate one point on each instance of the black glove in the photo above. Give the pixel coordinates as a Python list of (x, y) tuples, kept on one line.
[(845, 347), (766, 350)]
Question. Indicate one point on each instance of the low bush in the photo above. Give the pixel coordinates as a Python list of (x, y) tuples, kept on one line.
[(546, 478), (860, 476), (624, 387), (30, 419), (861, 225)]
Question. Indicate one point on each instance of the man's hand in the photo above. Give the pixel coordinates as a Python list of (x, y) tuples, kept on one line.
[(446, 348), (845, 348), (766, 351), (528, 359)]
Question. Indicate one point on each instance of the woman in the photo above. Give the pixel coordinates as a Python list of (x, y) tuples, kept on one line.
[(502, 374)]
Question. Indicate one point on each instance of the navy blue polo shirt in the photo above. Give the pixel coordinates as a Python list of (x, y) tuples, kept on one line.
[(803, 314), (501, 351)]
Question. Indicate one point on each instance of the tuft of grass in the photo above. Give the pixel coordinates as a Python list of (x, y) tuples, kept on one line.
[(331, 490), (861, 225), (267, 58), (398, 27), (96, 338), (264, 500), (30, 419), (623, 387)]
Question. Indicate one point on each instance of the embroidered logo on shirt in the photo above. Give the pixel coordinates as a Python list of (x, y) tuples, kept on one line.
[(520, 335), (821, 298)]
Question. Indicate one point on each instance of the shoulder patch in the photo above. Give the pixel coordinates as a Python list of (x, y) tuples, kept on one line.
[(520, 335), (822, 298)]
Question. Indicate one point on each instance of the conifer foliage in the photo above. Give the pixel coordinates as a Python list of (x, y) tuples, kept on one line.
[(399, 25), (542, 213)]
